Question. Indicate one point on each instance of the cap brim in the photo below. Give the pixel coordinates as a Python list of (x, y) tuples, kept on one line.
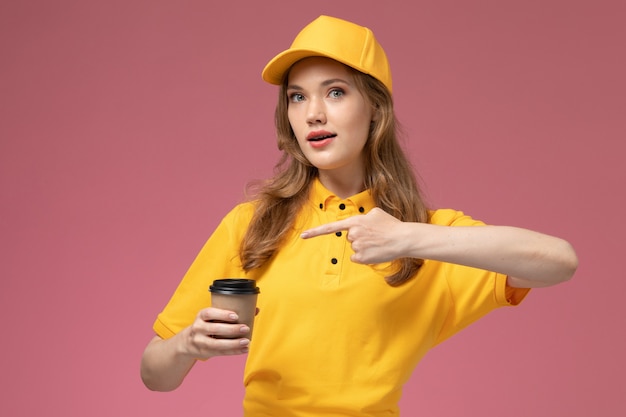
[(276, 69)]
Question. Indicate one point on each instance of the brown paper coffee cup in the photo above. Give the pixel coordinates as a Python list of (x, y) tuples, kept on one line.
[(238, 295)]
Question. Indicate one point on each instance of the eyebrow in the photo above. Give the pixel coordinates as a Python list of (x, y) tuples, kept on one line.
[(324, 84)]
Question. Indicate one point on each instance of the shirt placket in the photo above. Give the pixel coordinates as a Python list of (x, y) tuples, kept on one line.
[(338, 248)]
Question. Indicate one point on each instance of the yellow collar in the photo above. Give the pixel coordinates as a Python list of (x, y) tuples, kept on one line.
[(322, 198)]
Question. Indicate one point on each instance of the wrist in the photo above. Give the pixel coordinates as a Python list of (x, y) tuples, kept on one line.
[(183, 342), (422, 240)]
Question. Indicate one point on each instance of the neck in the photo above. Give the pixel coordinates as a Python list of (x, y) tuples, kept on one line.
[(342, 186)]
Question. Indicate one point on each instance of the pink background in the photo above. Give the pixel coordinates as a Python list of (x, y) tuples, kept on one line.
[(129, 128)]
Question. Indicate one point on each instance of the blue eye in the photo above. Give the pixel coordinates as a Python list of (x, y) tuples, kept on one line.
[(336, 93), (296, 97)]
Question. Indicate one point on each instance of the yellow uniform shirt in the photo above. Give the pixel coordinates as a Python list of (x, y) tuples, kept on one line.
[(333, 338)]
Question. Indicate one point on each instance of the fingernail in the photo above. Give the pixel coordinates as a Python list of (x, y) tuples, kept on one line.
[(244, 329), (244, 342), (233, 316), (304, 235)]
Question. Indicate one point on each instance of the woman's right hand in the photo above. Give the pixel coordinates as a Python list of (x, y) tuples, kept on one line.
[(215, 332)]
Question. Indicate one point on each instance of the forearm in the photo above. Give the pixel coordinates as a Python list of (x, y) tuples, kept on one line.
[(528, 258), (214, 332), (536, 258), (164, 364)]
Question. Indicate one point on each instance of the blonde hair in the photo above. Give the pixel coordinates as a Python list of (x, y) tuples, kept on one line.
[(388, 175)]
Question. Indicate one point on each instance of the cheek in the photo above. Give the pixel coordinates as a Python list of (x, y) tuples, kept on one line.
[(363, 126), (290, 117), (293, 120)]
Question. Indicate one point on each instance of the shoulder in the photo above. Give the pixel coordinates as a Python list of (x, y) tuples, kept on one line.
[(450, 217), (241, 214), (235, 223)]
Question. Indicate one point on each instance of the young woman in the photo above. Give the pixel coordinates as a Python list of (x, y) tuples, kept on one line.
[(358, 278)]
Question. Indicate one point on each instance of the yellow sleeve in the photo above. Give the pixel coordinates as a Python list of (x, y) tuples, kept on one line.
[(473, 292), (218, 258)]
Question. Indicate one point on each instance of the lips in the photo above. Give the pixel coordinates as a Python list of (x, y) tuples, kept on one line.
[(319, 136)]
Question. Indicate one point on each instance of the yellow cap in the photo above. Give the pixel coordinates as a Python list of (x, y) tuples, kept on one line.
[(343, 41)]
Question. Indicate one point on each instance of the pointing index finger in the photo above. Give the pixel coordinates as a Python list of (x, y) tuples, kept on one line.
[(326, 229)]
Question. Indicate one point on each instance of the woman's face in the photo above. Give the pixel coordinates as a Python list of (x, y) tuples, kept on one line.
[(329, 116)]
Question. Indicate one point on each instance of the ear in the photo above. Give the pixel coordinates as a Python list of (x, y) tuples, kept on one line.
[(375, 114)]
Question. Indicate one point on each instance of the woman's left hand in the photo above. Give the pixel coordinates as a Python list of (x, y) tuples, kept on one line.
[(375, 237)]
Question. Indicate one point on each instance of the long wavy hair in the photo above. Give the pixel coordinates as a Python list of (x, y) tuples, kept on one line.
[(388, 175)]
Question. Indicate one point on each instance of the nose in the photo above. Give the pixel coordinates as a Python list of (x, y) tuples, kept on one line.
[(316, 112)]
